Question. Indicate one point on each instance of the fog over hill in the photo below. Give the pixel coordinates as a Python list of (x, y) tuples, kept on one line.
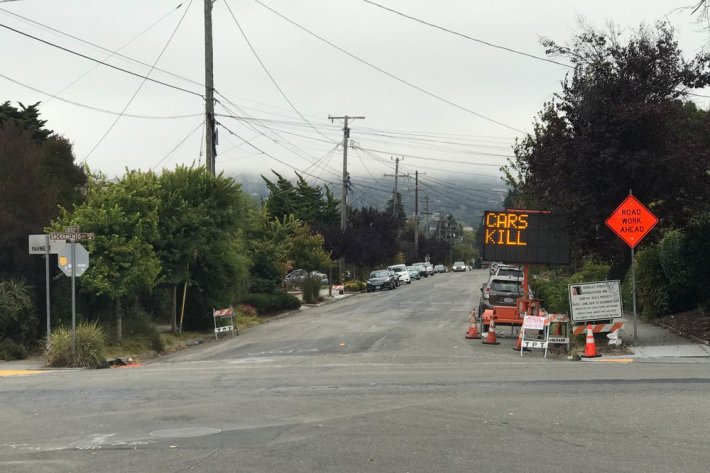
[(465, 197)]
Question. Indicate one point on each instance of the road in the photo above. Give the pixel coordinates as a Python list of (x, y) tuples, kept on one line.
[(381, 382)]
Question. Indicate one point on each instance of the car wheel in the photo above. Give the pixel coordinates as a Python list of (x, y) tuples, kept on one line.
[(409, 282)]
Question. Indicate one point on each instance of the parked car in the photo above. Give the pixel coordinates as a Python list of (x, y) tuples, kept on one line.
[(508, 270), (492, 268), (501, 291), (430, 269), (439, 268), (298, 276), (422, 269), (402, 273), (381, 279), (459, 266), (414, 272)]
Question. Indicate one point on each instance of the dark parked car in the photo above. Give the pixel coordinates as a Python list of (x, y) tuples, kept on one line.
[(439, 268), (422, 269), (381, 279), (500, 291)]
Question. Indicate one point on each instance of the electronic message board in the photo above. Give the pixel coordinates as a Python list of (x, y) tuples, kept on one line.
[(525, 236)]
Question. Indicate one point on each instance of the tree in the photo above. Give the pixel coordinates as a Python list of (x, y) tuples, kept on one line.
[(619, 123), (124, 217), (397, 213), (371, 237), (200, 216)]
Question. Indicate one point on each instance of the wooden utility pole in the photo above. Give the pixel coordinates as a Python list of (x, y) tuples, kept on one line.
[(344, 187), (416, 214), (394, 191), (210, 131)]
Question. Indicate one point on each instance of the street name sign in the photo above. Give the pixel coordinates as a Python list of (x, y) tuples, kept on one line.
[(38, 245), (631, 221), (64, 261), (76, 236)]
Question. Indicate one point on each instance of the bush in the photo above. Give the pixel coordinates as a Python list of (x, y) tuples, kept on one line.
[(18, 320), (10, 350), (652, 285), (311, 290), (140, 328), (270, 303), (90, 346), (355, 286)]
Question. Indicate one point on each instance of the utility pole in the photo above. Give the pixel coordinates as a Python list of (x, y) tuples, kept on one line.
[(427, 213), (416, 214), (394, 192), (210, 131), (344, 188)]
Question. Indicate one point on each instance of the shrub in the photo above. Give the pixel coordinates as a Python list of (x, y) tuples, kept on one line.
[(311, 290), (140, 328), (270, 303), (10, 350), (355, 286), (652, 285), (90, 346), (18, 320), (246, 310)]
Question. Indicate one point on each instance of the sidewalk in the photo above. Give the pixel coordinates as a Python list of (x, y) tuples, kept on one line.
[(657, 342)]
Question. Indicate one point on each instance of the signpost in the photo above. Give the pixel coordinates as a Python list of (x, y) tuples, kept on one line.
[(43, 245), (73, 261), (632, 221)]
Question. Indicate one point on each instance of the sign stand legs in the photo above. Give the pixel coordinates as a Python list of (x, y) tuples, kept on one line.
[(633, 292)]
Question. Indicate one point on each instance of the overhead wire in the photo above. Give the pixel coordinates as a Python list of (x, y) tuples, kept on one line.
[(70, 51), (97, 109), (389, 74), (111, 53), (140, 86), (266, 70), (180, 143)]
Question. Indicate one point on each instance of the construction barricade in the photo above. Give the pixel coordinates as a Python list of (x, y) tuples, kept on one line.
[(224, 321)]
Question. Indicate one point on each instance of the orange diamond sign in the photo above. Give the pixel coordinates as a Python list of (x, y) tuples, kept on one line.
[(631, 221)]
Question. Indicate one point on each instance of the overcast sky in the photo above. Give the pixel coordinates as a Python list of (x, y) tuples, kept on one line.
[(475, 101)]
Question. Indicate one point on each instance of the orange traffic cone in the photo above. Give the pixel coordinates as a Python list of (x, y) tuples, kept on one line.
[(590, 348), (473, 329), (519, 343), (491, 337)]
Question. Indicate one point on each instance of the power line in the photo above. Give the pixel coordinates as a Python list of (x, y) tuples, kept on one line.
[(389, 74), (486, 43), (140, 86), (97, 109), (271, 77), (135, 74), (199, 126)]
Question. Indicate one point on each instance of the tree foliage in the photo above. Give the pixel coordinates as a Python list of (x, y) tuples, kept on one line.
[(619, 123)]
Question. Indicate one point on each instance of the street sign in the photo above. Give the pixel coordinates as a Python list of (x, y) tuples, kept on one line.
[(65, 263), (631, 221), (595, 301), (76, 236), (38, 245)]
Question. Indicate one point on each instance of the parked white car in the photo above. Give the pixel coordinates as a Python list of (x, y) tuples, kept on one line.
[(402, 273)]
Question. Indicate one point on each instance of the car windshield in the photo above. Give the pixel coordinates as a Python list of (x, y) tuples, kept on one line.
[(458, 263), (510, 272), (506, 286), (379, 274), (399, 267)]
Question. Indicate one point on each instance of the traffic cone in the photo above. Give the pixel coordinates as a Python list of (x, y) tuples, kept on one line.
[(519, 343), (491, 337), (473, 329), (590, 348)]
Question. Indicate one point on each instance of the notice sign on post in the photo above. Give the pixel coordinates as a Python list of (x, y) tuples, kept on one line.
[(595, 301)]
